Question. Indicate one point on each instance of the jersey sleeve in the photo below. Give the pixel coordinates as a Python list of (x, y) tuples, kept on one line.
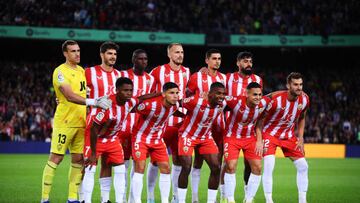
[(155, 73), (143, 108), (192, 84), (189, 103), (88, 76), (101, 117), (59, 78), (231, 101)]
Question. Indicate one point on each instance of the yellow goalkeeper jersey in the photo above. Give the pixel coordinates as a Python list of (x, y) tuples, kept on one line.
[(69, 114)]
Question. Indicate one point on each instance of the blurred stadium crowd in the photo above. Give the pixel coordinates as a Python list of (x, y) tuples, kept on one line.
[(301, 17), (28, 102)]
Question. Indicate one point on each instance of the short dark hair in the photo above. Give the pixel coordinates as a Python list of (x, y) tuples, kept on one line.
[(108, 45), (293, 75), (253, 85), (211, 51), (67, 43), (123, 80), (216, 85), (137, 52), (169, 85), (243, 55)]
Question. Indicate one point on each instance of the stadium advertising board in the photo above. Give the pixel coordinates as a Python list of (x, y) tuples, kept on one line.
[(295, 40), (100, 35)]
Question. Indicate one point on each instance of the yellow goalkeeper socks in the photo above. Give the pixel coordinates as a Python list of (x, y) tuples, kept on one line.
[(75, 174), (47, 179)]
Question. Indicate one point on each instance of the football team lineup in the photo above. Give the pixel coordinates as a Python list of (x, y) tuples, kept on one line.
[(208, 116)]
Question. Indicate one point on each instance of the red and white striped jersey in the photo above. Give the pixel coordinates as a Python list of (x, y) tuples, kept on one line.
[(242, 120), (236, 83), (199, 118), (114, 118), (143, 84), (201, 82), (164, 74), (152, 120), (282, 115), (100, 83)]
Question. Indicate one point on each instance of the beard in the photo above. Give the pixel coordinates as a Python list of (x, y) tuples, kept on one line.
[(246, 71)]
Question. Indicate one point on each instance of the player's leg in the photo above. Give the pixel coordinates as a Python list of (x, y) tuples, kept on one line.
[(171, 140), (231, 156), (254, 179), (87, 184), (210, 152), (116, 158), (160, 156), (214, 179), (185, 150), (270, 144), (195, 176), (139, 153), (247, 172), (76, 148), (301, 165), (151, 174), (105, 179), (59, 145)]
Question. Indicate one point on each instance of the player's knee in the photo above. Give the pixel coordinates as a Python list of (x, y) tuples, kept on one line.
[(56, 158), (230, 168), (256, 169), (215, 169), (119, 169), (301, 165), (165, 169), (186, 168)]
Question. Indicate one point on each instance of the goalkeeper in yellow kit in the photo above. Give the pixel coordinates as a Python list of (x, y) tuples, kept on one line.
[(69, 120)]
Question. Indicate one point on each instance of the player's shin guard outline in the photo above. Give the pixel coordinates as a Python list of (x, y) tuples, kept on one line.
[(269, 164), (88, 183), (119, 182)]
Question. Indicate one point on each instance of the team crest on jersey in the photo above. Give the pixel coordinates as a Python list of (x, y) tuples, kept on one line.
[(186, 149), (226, 154), (261, 109), (265, 150), (148, 82), (60, 77), (100, 116), (59, 147), (184, 75), (167, 75), (138, 154), (204, 81), (228, 98), (300, 107), (141, 107)]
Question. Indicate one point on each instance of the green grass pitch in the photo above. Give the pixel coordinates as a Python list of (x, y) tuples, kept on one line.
[(330, 180)]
